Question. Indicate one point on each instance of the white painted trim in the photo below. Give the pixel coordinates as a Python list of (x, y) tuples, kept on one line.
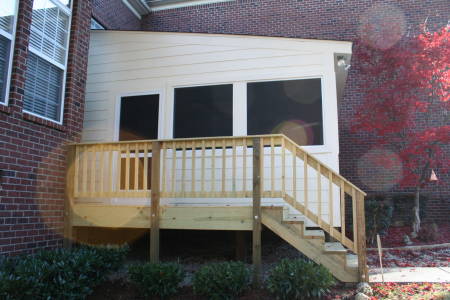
[(118, 104), (185, 4), (12, 37), (132, 9), (60, 66), (240, 108)]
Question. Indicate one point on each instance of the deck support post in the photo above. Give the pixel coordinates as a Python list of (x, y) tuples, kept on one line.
[(256, 256), (361, 238), (155, 196), (69, 195)]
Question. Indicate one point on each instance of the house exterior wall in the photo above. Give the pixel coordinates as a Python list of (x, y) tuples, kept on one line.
[(316, 19), (32, 152)]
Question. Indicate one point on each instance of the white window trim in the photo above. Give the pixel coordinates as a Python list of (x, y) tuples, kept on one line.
[(12, 37), (131, 94), (64, 68)]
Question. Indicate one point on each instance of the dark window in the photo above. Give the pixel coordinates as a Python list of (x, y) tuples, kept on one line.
[(203, 111), (291, 107), (139, 118)]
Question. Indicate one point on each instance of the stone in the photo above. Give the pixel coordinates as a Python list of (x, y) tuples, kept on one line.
[(407, 240), (361, 296), (364, 287)]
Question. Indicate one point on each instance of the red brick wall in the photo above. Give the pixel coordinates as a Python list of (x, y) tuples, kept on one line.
[(32, 152), (114, 15), (320, 19)]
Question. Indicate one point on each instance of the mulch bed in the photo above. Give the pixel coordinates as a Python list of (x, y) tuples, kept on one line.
[(394, 236), (413, 291), (438, 257)]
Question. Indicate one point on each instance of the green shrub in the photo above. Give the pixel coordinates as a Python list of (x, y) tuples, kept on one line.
[(222, 281), (299, 279), (157, 279), (378, 217), (58, 274)]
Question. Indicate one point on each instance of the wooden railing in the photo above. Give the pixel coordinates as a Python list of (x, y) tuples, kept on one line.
[(222, 167)]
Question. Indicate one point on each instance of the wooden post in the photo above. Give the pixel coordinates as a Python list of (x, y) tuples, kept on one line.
[(361, 240), (155, 195), (69, 193), (256, 211)]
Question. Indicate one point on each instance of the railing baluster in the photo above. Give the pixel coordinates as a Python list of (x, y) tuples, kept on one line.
[(233, 176), (330, 198), (283, 167), (127, 168), (145, 170), (119, 168), (85, 168), (305, 181), (164, 166), (183, 168), (174, 166), (224, 159), (272, 167), (355, 229), (294, 172), (319, 194), (213, 167), (193, 157), (109, 178), (102, 168), (202, 183), (244, 171), (343, 235), (136, 167)]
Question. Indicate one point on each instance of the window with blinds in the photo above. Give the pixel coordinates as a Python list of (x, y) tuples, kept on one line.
[(8, 12), (46, 63)]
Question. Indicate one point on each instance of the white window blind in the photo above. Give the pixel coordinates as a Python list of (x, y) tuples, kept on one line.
[(46, 63), (8, 12)]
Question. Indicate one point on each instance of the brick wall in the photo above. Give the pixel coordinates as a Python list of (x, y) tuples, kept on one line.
[(32, 152), (114, 15), (330, 20)]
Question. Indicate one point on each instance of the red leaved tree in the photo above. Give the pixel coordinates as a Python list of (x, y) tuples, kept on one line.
[(407, 105)]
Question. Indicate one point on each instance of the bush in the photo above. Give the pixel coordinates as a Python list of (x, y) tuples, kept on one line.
[(58, 274), (299, 279), (160, 279), (378, 217), (222, 281)]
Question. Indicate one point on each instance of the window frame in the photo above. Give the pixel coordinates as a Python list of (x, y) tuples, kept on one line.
[(12, 38), (68, 11)]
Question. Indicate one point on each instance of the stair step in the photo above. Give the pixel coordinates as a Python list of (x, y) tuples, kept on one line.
[(335, 248), (293, 218), (352, 261), (314, 234)]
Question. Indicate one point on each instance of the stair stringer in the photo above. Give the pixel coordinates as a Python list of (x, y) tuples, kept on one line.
[(312, 248)]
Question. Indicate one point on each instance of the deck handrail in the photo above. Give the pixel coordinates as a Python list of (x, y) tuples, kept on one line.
[(220, 167)]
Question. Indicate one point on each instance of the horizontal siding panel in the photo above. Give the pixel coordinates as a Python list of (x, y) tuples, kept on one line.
[(150, 71), (202, 57)]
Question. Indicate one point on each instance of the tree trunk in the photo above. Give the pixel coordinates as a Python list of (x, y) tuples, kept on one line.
[(416, 212)]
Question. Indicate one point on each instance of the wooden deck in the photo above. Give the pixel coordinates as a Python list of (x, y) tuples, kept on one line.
[(225, 183)]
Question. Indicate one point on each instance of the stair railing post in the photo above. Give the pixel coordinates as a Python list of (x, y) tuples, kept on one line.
[(257, 188), (155, 197), (361, 238)]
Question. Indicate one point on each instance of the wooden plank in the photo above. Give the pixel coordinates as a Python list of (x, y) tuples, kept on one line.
[(193, 166), (127, 167), (84, 177), (233, 166), (294, 173), (244, 163), (319, 195), (272, 166), (76, 163), (257, 211), (183, 167), (330, 198), (154, 231), (163, 167), (102, 169), (69, 194), (119, 168), (109, 171), (213, 167), (283, 167), (361, 238), (174, 165)]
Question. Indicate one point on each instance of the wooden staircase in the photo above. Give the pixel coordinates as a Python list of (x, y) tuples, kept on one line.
[(333, 256)]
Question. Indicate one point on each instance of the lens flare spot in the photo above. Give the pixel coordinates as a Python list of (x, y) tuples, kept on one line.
[(297, 130), (380, 169), (382, 26)]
